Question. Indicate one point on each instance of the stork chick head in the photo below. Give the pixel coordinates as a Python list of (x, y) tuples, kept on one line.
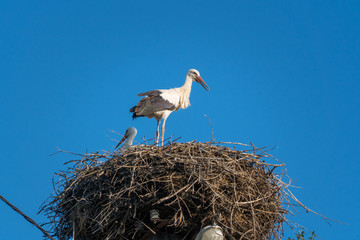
[(131, 131), (195, 75)]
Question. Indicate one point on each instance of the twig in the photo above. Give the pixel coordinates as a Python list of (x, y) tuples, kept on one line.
[(234, 143), (212, 132), (26, 217)]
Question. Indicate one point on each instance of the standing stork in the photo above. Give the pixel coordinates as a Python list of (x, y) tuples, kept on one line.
[(129, 137), (159, 104)]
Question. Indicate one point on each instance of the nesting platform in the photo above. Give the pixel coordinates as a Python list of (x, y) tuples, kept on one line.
[(191, 185)]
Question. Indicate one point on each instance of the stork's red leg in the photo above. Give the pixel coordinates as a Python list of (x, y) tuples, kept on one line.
[(163, 132), (157, 132)]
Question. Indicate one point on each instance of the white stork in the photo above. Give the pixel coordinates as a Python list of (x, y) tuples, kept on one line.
[(159, 104), (129, 136), (212, 232)]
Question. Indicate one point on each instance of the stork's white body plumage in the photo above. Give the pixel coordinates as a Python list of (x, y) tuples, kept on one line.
[(159, 104)]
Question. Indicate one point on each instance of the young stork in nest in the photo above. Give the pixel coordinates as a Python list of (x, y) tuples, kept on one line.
[(212, 232), (129, 137), (159, 104)]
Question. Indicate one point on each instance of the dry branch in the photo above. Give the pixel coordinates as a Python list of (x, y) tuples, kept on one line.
[(27, 218)]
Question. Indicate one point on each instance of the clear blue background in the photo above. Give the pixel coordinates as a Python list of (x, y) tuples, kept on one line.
[(281, 73)]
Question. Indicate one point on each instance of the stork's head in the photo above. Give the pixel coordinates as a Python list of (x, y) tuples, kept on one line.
[(130, 132), (195, 75)]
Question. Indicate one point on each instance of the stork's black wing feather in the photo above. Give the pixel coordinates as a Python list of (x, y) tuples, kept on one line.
[(150, 93), (153, 102)]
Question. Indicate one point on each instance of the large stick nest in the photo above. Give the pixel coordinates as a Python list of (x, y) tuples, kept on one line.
[(110, 195)]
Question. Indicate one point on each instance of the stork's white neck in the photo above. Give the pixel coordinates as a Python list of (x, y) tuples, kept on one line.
[(128, 142), (130, 139), (185, 93), (188, 83)]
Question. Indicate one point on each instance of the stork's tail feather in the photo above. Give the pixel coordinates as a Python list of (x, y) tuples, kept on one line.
[(132, 109), (134, 116), (134, 113)]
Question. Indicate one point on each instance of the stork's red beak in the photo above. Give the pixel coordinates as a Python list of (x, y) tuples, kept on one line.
[(201, 81), (123, 139)]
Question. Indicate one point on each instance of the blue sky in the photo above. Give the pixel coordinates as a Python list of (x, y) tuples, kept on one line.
[(281, 73)]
